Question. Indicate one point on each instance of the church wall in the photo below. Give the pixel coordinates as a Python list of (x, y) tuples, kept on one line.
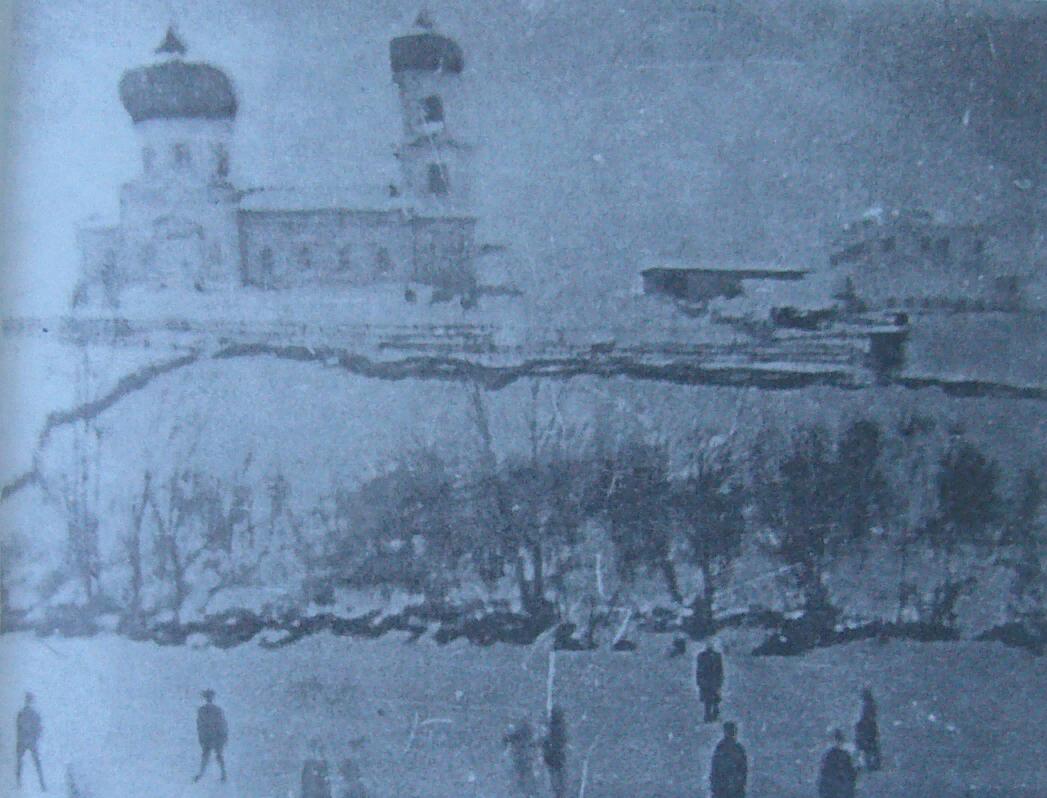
[(336, 247)]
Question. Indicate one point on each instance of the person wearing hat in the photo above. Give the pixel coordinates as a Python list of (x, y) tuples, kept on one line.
[(730, 766), (28, 729), (838, 775), (212, 731), (867, 733)]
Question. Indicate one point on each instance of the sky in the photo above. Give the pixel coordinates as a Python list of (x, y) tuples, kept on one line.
[(604, 131)]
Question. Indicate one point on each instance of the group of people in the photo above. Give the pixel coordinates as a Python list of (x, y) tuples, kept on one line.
[(728, 775), (838, 773), (522, 744)]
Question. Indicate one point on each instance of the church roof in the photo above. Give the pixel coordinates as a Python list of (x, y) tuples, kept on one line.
[(425, 50), (176, 89)]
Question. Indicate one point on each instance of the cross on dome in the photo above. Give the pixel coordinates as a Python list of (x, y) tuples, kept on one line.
[(171, 45)]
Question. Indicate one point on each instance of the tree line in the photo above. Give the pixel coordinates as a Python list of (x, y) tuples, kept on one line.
[(582, 519)]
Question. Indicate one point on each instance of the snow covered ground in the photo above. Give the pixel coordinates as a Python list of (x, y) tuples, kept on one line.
[(957, 719)]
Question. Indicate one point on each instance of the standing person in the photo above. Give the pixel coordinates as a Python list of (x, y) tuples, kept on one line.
[(867, 733), (730, 768), (838, 775), (316, 777), (212, 731), (554, 752), (708, 674), (28, 730), (520, 742)]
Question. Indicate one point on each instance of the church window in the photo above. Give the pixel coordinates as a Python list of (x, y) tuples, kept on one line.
[(345, 257), (148, 158), (383, 264), (438, 179), (221, 160), (305, 256), (433, 109), (181, 154), (147, 254), (265, 270)]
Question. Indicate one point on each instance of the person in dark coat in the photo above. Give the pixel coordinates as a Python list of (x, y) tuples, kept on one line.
[(520, 742), (316, 777), (28, 730), (212, 731), (554, 752), (708, 674), (730, 768), (838, 776), (867, 733)]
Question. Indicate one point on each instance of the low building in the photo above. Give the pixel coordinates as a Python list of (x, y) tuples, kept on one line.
[(912, 259), (702, 283)]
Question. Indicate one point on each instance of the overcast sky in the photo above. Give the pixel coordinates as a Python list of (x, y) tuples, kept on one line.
[(604, 130)]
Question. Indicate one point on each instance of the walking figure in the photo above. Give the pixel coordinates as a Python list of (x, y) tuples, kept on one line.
[(867, 733), (730, 768), (554, 752), (838, 775), (520, 742), (28, 730), (708, 674), (212, 731), (316, 777)]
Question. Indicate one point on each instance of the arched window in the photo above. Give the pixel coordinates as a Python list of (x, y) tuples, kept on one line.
[(383, 264), (305, 256), (148, 158), (221, 160), (265, 268), (345, 257), (432, 109), (438, 183), (180, 151)]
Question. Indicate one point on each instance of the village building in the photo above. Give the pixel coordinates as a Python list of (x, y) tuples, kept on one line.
[(912, 259)]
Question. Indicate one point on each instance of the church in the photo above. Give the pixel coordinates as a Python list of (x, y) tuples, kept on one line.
[(184, 225)]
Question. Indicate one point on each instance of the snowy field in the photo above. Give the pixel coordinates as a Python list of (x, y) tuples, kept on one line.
[(421, 720)]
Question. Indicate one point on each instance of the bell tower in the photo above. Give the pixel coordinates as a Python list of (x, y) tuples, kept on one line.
[(434, 163)]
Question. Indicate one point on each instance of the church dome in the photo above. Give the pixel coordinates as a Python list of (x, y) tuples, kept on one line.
[(175, 89), (425, 50)]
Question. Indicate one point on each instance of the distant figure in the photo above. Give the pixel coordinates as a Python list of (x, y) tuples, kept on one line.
[(520, 742), (730, 767), (708, 674), (212, 731), (867, 733), (28, 729), (554, 752), (838, 776), (352, 780), (316, 779)]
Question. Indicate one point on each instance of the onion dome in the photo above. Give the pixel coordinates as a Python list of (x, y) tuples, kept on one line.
[(175, 89), (424, 50)]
